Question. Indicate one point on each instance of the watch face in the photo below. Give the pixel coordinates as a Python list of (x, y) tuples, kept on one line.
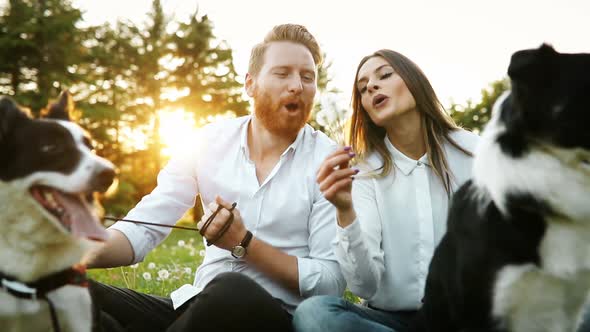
[(238, 251)]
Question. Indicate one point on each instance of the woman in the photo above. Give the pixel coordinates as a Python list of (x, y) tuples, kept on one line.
[(412, 157)]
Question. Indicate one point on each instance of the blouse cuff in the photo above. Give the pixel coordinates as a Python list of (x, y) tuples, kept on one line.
[(349, 236)]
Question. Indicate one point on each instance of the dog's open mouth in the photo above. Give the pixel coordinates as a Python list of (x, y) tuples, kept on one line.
[(72, 210)]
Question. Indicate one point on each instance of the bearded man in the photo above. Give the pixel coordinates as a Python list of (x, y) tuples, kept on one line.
[(269, 252)]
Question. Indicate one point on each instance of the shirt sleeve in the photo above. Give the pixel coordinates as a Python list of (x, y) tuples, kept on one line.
[(174, 194), (319, 273), (358, 246)]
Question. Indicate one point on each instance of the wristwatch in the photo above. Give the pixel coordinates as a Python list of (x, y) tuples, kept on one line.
[(240, 250)]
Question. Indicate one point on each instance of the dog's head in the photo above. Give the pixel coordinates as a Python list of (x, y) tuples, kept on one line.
[(537, 145), (47, 173)]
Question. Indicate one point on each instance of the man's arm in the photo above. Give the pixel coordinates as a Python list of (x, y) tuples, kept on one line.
[(274, 263), (116, 251), (172, 197), (321, 274)]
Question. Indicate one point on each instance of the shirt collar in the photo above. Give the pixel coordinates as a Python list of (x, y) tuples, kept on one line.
[(403, 162), (244, 139)]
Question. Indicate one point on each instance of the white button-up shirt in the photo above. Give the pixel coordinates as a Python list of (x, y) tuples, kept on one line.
[(287, 211), (385, 253)]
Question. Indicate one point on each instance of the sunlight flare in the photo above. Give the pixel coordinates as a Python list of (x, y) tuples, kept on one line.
[(177, 129)]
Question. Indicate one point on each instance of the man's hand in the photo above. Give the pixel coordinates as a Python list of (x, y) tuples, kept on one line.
[(234, 234)]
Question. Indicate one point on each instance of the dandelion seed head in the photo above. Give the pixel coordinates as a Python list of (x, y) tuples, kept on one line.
[(163, 274)]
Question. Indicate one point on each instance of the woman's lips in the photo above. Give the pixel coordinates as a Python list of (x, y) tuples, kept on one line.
[(380, 100)]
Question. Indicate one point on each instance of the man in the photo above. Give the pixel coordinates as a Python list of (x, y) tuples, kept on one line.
[(277, 247)]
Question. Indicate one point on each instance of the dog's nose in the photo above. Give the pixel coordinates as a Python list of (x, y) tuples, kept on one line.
[(103, 180)]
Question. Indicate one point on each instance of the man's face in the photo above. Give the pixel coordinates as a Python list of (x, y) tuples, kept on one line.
[(284, 89)]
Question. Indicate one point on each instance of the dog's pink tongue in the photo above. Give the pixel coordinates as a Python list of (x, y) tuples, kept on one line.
[(83, 223)]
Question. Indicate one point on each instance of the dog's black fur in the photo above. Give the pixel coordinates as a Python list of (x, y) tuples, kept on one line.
[(515, 255), (48, 172)]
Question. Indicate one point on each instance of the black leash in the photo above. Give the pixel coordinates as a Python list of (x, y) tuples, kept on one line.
[(201, 231), (150, 223)]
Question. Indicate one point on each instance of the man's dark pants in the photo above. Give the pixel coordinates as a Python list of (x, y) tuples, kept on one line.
[(230, 302)]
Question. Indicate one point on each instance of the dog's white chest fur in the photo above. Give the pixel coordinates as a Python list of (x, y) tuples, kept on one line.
[(550, 298), (72, 304)]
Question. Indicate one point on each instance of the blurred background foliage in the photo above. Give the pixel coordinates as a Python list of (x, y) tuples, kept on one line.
[(140, 88)]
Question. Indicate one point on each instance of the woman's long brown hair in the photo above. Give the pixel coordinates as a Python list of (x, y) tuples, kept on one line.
[(366, 137)]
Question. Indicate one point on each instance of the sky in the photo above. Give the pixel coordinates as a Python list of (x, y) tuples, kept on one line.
[(461, 45)]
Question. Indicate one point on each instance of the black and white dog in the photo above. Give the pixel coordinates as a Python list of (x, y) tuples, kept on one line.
[(47, 172), (516, 256)]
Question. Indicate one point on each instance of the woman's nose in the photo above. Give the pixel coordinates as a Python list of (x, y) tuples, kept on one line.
[(372, 86)]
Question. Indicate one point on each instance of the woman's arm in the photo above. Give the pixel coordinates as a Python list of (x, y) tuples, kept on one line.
[(358, 246), (358, 240)]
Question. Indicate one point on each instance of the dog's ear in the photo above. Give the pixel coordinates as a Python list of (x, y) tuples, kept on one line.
[(62, 109), (10, 115), (533, 66)]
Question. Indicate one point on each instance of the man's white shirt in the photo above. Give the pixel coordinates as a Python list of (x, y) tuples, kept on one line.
[(286, 211)]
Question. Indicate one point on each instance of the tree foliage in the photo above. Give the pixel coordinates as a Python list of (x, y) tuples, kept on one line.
[(474, 116), (123, 77)]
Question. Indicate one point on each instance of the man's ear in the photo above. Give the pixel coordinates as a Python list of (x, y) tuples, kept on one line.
[(250, 85)]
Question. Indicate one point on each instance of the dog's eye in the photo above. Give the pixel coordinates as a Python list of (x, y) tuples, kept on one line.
[(88, 142), (50, 148)]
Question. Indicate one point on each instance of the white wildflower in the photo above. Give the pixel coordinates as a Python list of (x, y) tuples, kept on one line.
[(202, 253), (147, 276), (181, 243), (188, 270), (152, 265), (134, 266), (163, 274)]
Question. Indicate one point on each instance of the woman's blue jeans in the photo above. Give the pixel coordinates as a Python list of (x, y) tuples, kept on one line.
[(334, 314), (331, 313)]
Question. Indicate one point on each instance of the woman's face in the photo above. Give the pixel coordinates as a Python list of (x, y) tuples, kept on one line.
[(384, 94)]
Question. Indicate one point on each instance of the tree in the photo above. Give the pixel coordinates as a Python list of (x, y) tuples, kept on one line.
[(205, 68), (39, 41), (475, 116), (122, 78)]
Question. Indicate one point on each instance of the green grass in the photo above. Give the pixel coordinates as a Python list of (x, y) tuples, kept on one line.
[(170, 265)]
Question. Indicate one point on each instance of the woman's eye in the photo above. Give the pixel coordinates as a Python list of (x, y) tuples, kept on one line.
[(363, 89), (281, 74), (386, 75)]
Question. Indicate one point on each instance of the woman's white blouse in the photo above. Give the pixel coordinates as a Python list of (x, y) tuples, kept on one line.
[(384, 254)]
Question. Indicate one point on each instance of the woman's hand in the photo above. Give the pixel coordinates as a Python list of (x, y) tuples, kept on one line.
[(335, 180)]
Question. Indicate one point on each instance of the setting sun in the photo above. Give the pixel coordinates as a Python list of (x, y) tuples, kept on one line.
[(176, 129)]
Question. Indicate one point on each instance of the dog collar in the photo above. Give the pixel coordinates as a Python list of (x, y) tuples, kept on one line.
[(76, 275)]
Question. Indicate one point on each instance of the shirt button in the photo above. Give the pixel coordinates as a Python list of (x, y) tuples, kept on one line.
[(419, 163)]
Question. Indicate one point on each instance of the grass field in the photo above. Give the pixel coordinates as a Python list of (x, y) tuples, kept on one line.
[(170, 265), (167, 267)]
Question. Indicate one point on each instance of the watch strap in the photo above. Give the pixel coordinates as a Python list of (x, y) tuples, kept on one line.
[(246, 240)]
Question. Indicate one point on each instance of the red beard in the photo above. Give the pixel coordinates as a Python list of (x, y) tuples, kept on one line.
[(277, 121)]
